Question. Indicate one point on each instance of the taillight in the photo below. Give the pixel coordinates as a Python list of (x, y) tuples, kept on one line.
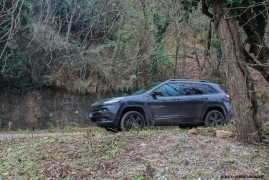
[(228, 96)]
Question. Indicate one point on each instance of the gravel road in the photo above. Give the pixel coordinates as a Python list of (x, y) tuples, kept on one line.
[(15, 136)]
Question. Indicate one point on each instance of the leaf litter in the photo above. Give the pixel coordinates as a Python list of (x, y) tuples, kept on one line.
[(147, 154)]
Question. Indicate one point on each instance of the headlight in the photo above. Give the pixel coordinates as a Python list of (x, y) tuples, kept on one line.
[(115, 100)]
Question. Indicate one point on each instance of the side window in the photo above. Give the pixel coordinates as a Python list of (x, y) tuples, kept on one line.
[(191, 89), (208, 89), (195, 89), (170, 89)]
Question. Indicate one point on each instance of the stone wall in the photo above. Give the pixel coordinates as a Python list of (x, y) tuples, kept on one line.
[(51, 108), (43, 109)]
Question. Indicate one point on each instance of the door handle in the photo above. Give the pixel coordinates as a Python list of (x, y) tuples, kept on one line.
[(176, 99), (204, 98)]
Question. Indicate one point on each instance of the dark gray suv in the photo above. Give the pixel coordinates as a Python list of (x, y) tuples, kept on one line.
[(173, 102)]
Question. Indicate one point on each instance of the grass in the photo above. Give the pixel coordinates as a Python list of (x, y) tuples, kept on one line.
[(155, 153), (71, 129), (64, 129)]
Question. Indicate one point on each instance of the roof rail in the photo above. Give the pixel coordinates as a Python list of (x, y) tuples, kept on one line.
[(204, 81), (189, 80)]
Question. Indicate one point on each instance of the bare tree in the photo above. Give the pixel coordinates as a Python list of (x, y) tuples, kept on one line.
[(10, 16)]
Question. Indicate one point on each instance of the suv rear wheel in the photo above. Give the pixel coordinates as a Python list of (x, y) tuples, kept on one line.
[(214, 118), (132, 120)]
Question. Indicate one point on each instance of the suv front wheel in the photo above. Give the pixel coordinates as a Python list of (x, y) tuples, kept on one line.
[(214, 118), (132, 120)]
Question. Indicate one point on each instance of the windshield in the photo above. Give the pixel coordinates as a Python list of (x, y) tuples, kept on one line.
[(143, 90)]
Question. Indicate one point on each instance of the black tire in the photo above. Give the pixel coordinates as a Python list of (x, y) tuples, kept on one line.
[(214, 118), (132, 120)]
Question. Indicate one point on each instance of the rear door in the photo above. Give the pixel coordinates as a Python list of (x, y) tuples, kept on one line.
[(165, 109), (194, 98)]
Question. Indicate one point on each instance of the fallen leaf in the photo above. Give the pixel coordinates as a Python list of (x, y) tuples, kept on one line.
[(63, 172), (5, 174)]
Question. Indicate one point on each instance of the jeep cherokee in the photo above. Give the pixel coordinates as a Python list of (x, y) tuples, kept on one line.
[(173, 102)]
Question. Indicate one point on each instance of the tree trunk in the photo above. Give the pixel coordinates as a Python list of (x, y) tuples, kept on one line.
[(176, 61), (238, 76)]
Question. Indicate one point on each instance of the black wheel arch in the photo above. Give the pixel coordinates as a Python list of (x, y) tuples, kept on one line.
[(215, 107), (139, 109)]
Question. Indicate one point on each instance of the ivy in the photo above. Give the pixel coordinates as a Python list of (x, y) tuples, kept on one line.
[(161, 24), (216, 45), (158, 60)]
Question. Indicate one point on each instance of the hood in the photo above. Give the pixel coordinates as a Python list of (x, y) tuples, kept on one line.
[(103, 101), (118, 99)]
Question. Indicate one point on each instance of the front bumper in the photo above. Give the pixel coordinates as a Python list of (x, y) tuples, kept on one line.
[(105, 115)]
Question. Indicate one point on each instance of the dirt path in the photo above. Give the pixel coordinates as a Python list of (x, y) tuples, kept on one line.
[(15, 136)]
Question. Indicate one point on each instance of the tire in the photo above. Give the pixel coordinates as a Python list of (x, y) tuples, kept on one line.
[(132, 120), (214, 118)]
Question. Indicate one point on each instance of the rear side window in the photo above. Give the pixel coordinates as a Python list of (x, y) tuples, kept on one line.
[(170, 89), (196, 89), (208, 89)]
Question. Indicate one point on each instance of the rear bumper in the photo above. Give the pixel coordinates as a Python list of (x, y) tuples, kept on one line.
[(229, 113), (229, 116)]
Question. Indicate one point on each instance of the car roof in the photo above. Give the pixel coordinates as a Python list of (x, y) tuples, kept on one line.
[(187, 80), (216, 86)]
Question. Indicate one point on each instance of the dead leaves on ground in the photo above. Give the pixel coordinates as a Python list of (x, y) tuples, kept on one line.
[(168, 154)]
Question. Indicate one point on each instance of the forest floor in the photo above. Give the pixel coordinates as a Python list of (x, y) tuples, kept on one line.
[(13, 135), (156, 153)]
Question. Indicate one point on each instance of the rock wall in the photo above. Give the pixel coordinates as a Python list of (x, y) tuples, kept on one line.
[(43, 109)]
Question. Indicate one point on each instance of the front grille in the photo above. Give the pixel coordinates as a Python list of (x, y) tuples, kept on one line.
[(95, 108), (96, 119)]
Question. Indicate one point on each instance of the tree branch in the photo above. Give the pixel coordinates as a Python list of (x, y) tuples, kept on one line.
[(205, 10)]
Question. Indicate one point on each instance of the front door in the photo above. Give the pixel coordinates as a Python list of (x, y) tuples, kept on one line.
[(165, 108)]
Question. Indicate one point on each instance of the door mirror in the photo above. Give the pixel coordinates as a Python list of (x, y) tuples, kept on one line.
[(157, 93)]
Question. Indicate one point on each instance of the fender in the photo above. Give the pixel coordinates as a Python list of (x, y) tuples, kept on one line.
[(141, 106), (215, 106)]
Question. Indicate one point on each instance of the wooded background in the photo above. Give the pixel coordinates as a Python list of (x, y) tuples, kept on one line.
[(100, 46)]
